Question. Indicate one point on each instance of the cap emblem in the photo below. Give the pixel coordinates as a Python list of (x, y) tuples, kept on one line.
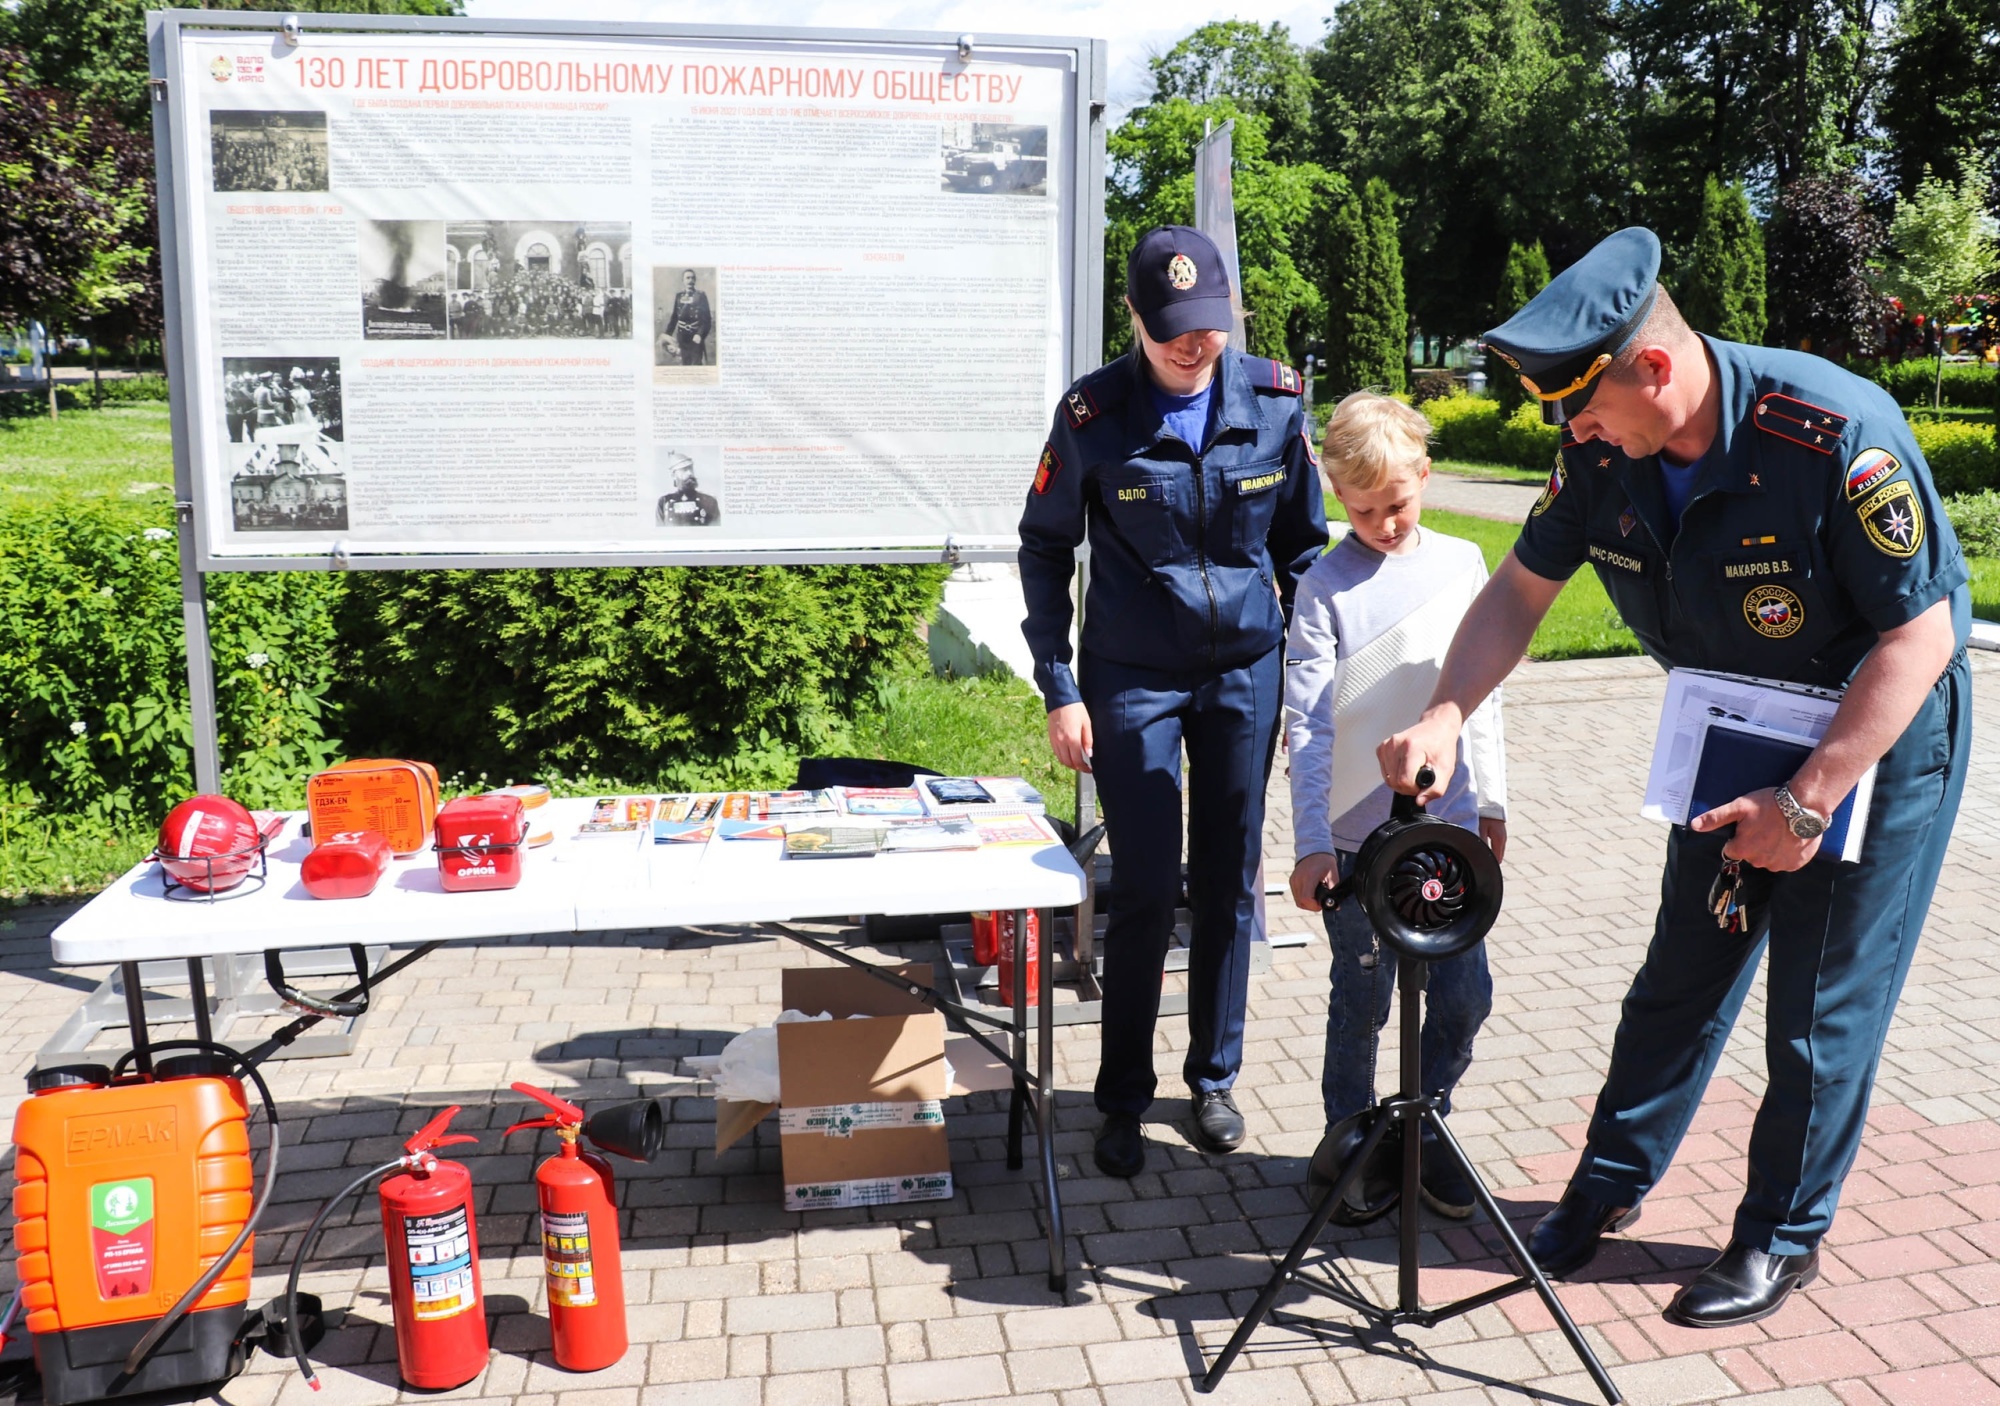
[(1181, 272)]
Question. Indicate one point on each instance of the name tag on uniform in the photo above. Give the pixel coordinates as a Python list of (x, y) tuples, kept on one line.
[(1761, 568), (1621, 561), (1247, 486), (1138, 493)]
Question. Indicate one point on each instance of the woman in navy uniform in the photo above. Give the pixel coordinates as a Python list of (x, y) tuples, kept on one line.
[(1188, 469), (1757, 512)]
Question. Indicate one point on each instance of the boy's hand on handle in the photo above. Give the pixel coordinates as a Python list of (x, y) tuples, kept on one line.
[(1308, 875), (1432, 744), (1070, 737), (1494, 832)]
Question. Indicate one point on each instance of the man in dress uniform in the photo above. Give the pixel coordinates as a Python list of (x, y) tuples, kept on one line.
[(1757, 512), (692, 321)]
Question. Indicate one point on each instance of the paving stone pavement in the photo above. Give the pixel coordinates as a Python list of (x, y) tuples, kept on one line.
[(735, 1301), (1504, 502)]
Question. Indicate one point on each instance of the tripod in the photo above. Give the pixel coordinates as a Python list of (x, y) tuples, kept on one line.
[(1415, 1112)]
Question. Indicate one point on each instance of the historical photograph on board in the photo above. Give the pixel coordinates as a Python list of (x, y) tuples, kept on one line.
[(994, 158), (538, 278), (685, 305), (268, 150), (686, 486), (277, 399), (288, 486), (402, 279)]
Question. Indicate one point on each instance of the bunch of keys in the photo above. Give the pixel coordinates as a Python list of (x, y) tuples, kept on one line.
[(1738, 895)]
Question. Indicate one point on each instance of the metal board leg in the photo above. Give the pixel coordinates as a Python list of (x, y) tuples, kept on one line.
[(1045, 1112), (1017, 1105)]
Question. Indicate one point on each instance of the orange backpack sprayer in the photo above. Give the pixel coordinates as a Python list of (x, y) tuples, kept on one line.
[(432, 1247), (579, 1201), (134, 1220)]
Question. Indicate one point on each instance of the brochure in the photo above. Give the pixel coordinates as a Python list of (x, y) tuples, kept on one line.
[(882, 800), (833, 842), (936, 833), (1013, 830)]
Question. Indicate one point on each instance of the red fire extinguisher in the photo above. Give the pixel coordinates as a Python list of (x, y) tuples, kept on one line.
[(579, 1201), (432, 1247)]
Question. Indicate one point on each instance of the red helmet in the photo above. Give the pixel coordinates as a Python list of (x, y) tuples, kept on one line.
[(208, 843)]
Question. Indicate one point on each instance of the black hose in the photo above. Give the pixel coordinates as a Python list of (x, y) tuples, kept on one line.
[(171, 1319), (297, 1343)]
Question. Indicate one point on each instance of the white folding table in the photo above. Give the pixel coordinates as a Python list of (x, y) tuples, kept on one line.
[(577, 886)]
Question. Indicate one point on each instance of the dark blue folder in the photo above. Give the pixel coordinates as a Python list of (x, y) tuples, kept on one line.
[(1735, 762)]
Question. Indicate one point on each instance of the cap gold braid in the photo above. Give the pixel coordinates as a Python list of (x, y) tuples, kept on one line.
[(1589, 375)]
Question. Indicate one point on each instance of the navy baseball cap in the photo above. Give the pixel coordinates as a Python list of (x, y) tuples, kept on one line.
[(1569, 332), (1178, 284)]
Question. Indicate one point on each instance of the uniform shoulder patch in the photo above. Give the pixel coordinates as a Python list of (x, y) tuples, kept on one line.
[(1554, 487), (1312, 450), (1268, 375), (1893, 519), (1801, 422), (1869, 469), (1080, 407), (1047, 469)]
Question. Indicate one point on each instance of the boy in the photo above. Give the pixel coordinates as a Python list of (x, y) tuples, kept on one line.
[(1373, 621)]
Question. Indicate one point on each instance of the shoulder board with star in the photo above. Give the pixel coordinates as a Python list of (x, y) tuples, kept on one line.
[(1094, 394), (1801, 422), (1273, 376)]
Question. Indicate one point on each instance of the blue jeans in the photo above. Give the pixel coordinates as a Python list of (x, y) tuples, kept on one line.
[(1456, 1001)]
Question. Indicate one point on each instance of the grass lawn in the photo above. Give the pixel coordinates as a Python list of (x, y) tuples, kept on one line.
[(121, 451), (1985, 587), (1581, 624)]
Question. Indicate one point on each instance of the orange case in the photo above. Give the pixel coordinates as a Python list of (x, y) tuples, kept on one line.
[(393, 798)]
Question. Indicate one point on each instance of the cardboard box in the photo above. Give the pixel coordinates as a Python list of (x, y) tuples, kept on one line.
[(860, 1111)]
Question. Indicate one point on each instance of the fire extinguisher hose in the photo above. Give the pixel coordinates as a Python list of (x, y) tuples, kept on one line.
[(167, 1322), (292, 1336)]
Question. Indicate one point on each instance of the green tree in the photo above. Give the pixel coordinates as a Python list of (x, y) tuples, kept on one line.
[(1938, 100), (1526, 274), (1367, 327), (1721, 286), (1260, 70), (75, 206), (1497, 121), (1151, 182), (96, 49), (1816, 254), (1942, 251)]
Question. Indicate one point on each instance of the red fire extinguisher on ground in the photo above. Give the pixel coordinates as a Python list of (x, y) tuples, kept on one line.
[(579, 1201), (432, 1247)]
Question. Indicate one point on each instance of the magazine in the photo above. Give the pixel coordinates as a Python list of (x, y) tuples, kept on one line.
[(1003, 830), (833, 842), (607, 817), (773, 805), (933, 833), (882, 800), (977, 795)]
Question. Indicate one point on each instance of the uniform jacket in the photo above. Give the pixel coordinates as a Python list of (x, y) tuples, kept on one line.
[(1813, 527), (1186, 541), (691, 313)]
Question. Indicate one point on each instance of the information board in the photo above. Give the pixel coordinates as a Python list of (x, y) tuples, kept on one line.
[(489, 294)]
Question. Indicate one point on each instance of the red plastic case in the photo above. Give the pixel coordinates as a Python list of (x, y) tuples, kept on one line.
[(347, 865), (479, 842)]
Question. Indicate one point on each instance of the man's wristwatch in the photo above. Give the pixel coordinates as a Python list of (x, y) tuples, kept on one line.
[(1806, 824)]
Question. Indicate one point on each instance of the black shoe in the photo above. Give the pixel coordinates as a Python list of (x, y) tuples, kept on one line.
[(1445, 1187), (1742, 1286), (1218, 1127), (1566, 1238), (1121, 1147), (1378, 1189)]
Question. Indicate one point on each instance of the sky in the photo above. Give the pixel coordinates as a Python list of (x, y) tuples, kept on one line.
[(1136, 29)]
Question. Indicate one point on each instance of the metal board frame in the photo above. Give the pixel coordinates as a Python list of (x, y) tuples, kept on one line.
[(176, 166)]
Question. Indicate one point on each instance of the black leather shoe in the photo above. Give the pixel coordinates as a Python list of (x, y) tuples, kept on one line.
[(1742, 1286), (1379, 1188), (1121, 1147), (1565, 1240), (1218, 1127)]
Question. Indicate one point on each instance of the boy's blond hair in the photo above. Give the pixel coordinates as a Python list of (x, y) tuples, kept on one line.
[(1372, 438)]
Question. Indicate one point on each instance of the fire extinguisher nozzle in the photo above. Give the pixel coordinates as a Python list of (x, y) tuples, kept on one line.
[(313, 1382)]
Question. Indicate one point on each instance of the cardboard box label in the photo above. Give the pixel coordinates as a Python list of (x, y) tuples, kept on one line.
[(847, 1119), (868, 1191)]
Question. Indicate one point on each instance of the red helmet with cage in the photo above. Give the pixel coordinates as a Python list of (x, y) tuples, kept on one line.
[(208, 843)]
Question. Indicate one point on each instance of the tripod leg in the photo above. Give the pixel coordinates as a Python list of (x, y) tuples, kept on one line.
[(1531, 1271), (1287, 1267), (1411, 978)]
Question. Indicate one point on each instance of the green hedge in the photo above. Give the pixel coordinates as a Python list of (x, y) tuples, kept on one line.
[(1964, 457), (1471, 427), (1976, 519), (1967, 385), (669, 675)]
